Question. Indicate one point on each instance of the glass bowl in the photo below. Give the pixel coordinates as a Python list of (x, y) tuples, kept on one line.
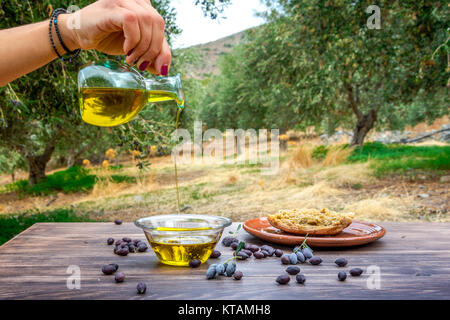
[(177, 239)]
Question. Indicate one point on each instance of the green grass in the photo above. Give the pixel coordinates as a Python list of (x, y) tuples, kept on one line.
[(75, 179), (320, 152), (13, 224), (120, 179), (402, 158)]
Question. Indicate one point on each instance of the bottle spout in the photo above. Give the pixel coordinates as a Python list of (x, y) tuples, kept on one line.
[(170, 86)]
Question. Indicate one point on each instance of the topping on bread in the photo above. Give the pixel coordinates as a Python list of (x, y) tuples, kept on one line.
[(311, 221)]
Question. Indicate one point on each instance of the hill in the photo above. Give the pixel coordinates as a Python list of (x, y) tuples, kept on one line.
[(211, 52)]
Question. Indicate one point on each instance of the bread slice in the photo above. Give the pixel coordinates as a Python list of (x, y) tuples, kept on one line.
[(311, 221)]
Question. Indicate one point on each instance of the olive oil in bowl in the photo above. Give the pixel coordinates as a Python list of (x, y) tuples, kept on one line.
[(178, 251), (177, 239)]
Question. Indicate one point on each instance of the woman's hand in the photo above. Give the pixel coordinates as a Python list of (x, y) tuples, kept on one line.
[(117, 27)]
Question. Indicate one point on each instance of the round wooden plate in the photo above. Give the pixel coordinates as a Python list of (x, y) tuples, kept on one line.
[(357, 233)]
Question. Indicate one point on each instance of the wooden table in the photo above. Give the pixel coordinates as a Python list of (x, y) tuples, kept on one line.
[(414, 260)]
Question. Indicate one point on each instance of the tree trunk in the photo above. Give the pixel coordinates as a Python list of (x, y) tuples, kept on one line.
[(38, 163), (36, 167), (363, 126), (364, 122)]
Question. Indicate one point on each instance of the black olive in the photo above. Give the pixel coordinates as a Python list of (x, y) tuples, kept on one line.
[(142, 247), (195, 263), (215, 254), (265, 253), (115, 265), (211, 272), (342, 276), (293, 258), (300, 278), (108, 269), (269, 250), (141, 288), (238, 275), (307, 252), (259, 255), (123, 251), (315, 261), (300, 257), (119, 277), (285, 259), (341, 262), (227, 241), (356, 272), (283, 279), (279, 253), (293, 270)]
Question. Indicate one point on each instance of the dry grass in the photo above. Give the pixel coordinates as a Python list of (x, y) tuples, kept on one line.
[(302, 157), (380, 209), (337, 155), (232, 179), (320, 189), (346, 175), (241, 192), (106, 188)]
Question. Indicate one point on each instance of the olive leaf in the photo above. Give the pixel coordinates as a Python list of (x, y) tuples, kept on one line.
[(236, 231), (240, 247)]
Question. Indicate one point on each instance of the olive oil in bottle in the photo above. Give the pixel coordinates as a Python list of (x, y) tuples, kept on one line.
[(108, 107)]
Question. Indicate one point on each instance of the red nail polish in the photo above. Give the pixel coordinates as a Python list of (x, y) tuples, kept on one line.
[(144, 65), (165, 70)]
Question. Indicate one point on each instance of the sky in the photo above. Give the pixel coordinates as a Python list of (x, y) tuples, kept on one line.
[(199, 29)]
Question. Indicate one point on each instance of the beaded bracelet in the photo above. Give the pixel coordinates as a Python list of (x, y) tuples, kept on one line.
[(54, 21)]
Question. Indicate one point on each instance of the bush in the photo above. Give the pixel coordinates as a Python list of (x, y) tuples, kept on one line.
[(13, 224), (75, 179), (71, 180), (320, 152)]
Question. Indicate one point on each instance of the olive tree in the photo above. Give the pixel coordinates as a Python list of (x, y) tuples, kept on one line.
[(328, 62), (40, 110)]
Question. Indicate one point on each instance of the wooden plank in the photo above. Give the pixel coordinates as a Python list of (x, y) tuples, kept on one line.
[(414, 260)]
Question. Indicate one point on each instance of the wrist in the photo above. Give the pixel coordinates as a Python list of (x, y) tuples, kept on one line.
[(68, 31)]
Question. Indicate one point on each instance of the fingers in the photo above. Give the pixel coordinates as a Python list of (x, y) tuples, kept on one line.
[(145, 25), (127, 21), (156, 45), (143, 30), (152, 34), (164, 58)]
